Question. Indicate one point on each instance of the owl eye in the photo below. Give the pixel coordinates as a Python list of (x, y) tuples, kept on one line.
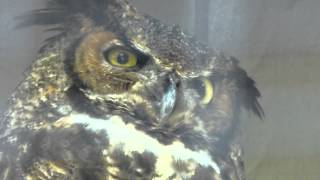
[(121, 58), (206, 90)]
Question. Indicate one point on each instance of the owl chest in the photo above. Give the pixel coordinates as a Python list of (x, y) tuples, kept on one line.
[(124, 151)]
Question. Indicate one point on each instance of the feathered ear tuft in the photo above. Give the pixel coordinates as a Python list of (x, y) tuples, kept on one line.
[(251, 96), (59, 12), (62, 14), (248, 90)]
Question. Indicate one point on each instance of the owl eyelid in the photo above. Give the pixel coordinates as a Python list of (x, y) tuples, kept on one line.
[(112, 44)]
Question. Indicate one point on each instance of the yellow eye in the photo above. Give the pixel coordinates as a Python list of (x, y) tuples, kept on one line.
[(208, 91), (122, 58)]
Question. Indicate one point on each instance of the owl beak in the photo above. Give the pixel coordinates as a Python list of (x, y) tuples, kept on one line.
[(168, 100)]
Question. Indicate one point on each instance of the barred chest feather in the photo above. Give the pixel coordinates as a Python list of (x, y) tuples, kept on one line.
[(132, 154)]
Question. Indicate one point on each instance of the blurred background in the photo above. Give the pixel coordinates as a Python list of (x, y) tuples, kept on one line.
[(277, 42)]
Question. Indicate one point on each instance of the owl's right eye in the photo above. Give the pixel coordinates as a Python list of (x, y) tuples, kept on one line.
[(121, 58), (124, 58)]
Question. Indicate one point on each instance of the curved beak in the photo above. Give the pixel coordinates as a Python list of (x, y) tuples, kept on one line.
[(169, 99)]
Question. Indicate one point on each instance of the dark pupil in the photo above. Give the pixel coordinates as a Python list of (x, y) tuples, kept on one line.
[(123, 58), (200, 87)]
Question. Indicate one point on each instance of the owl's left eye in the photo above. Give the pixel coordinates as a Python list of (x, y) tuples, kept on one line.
[(205, 89), (121, 58)]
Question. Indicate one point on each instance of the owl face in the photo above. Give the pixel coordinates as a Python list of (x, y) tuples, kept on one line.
[(114, 69), (144, 69), (110, 71), (170, 104)]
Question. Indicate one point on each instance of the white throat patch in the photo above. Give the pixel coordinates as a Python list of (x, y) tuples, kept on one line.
[(132, 139)]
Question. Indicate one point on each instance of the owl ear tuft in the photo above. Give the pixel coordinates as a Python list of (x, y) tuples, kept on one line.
[(57, 12), (68, 16), (249, 93), (63, 14)]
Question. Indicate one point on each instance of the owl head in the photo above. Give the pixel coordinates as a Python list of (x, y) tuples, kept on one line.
[(108, 59)]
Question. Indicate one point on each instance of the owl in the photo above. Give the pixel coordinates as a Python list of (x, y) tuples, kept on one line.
[(117, 94)]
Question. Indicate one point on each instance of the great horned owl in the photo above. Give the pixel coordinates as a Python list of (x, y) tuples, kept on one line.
[(117, 94)]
